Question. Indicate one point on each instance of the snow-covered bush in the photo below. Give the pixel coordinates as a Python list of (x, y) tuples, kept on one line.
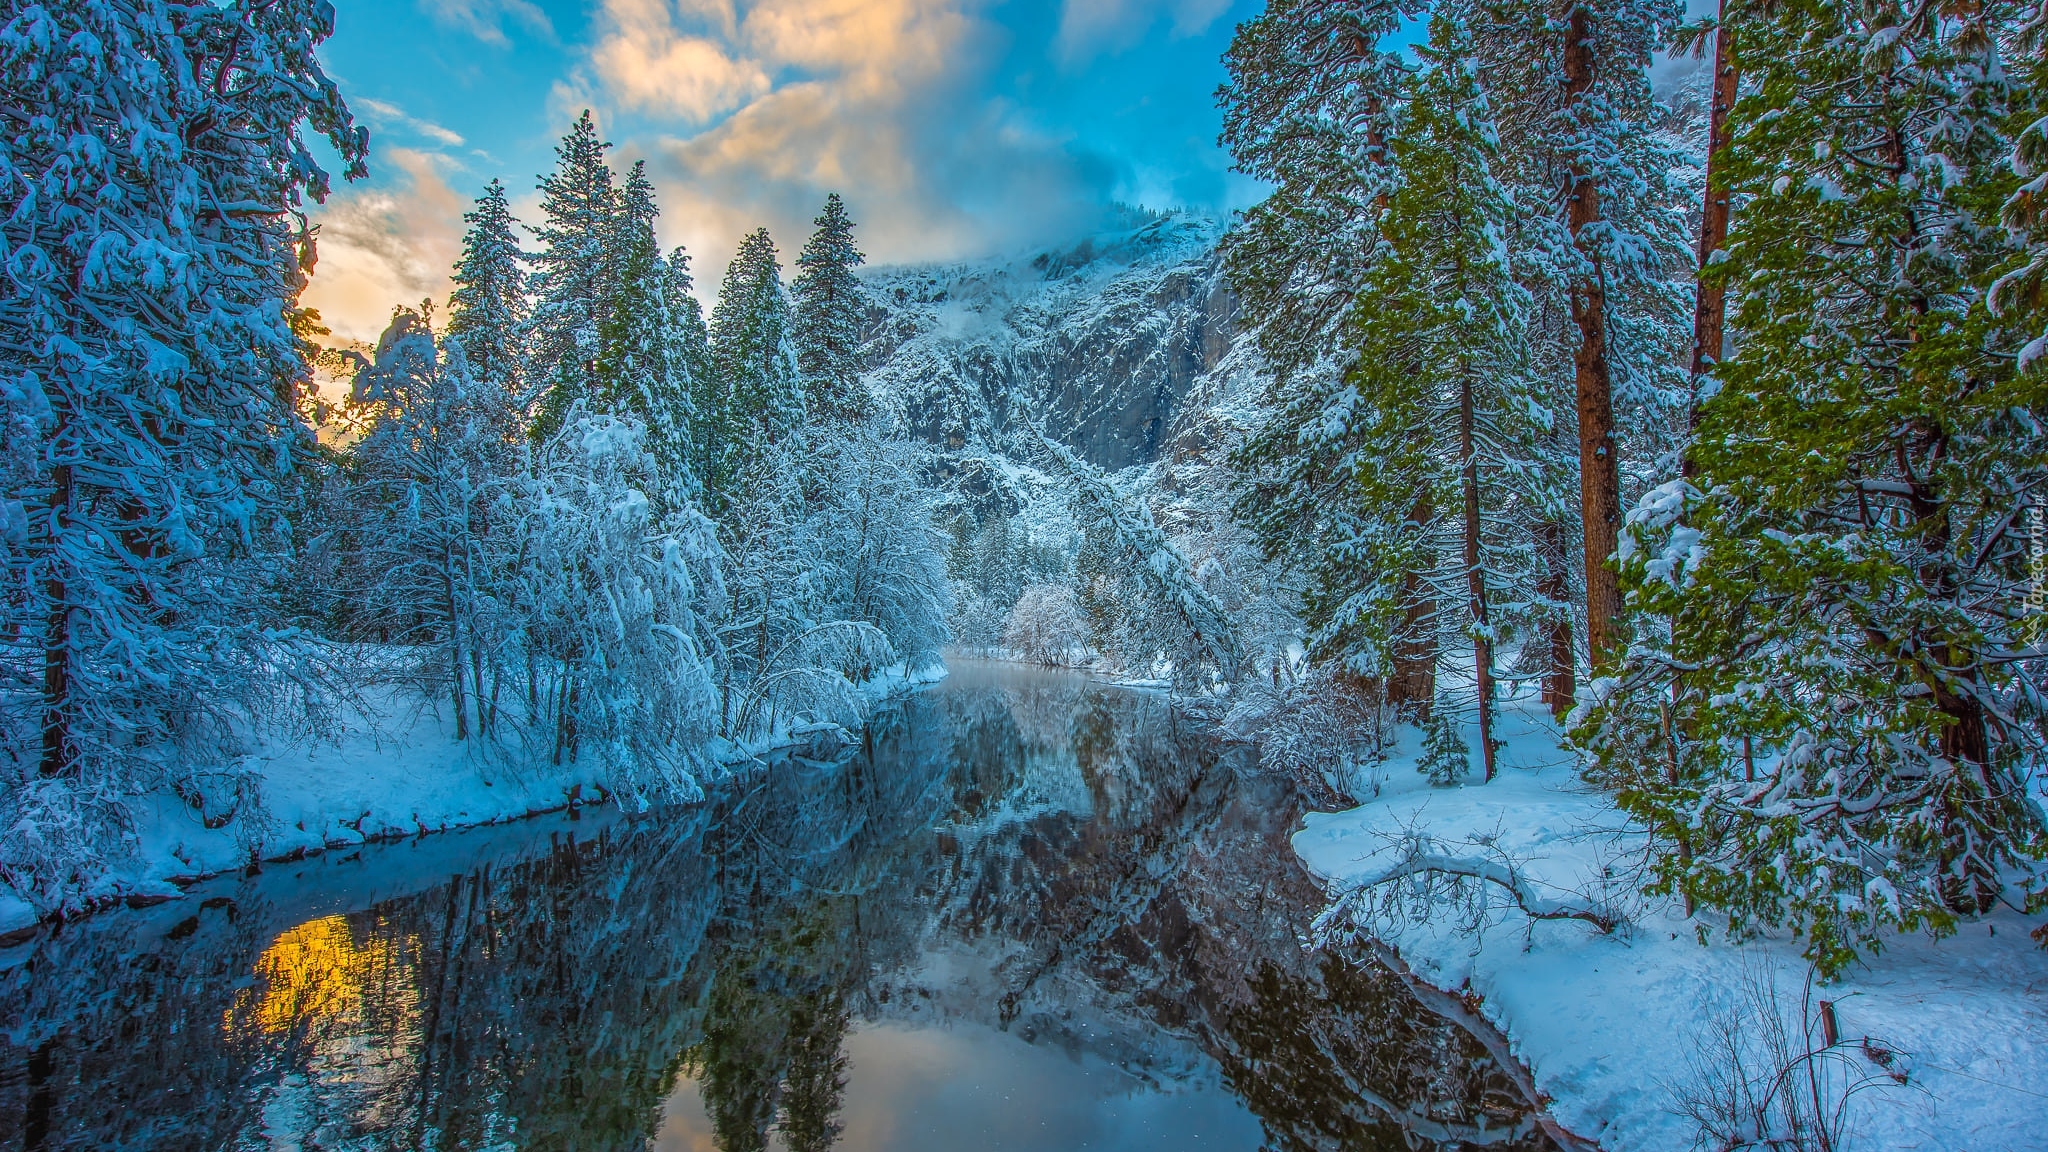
[(834, 573), (421, 552), (1045, 626), (617, 605), (1324, 733)]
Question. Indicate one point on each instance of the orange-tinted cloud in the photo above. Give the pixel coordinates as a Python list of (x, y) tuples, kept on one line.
[(383, 247), (875, 99)]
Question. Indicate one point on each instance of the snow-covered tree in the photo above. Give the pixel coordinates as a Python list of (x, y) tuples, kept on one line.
[(618, 601), (827, 317), (487, 309), (636, 373), (423, 489), (572, 274), (1045, 626), (1439, 408), (151, 211), (1308, 108), (755, 395), (1148, 603), (873, 535), (1836, 732), (686, 341), (1603, 243)]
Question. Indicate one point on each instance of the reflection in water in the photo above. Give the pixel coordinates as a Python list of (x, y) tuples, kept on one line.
[(1030, 912)]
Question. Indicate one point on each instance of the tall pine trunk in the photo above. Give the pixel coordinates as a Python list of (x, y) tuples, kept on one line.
[(58, 643), (1475, 577), (1413, 683), (1710, 302), (1599, 471)]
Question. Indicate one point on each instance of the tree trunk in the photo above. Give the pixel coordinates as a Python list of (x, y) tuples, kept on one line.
[(1412, 687), (456, 671), (1475, 578), (1710, 301), (59, 749), (1599, 471), (1560, 676)]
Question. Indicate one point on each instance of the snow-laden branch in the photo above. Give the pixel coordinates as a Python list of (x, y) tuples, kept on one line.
[(1423, 879)]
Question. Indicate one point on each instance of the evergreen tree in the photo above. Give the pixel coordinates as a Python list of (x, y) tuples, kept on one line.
[(827, 318), (150, 378), (1437, 403), (571, 274), (487, 309), (759, 397), (635, 373), (1835, 733), (1308, 108), (686, 339), (1603, 243)]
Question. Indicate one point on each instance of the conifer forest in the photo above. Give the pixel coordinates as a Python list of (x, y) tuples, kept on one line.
[(1292, 574)]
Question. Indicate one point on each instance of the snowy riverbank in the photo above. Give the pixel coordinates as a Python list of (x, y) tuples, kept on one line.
[(395, 770), (1615, 1027)]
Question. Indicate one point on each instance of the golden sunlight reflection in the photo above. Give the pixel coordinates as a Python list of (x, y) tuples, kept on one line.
[(313, 975)]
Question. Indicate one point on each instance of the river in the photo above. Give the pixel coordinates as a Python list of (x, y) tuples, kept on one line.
[(1029, 912)]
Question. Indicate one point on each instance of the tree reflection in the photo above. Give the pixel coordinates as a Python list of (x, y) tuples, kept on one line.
[(1122, 881)]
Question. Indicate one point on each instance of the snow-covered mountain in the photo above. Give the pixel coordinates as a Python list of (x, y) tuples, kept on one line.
[(1105, 340)]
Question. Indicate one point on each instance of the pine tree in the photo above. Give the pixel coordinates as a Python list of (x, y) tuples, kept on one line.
[(152, 215), (636, 375), (1308, 107), (1438, 406), (1836, 731), (827, 318), (759, 394), (571, 276), (487, 309), (1603, 243)]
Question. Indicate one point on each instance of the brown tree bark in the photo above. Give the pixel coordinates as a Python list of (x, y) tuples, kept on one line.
[(1475, 579), (1413, 684), (1599, 471), (1710, 302), (1561, 677)]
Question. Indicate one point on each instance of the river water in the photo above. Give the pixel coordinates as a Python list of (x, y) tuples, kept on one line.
[(1030, 912)]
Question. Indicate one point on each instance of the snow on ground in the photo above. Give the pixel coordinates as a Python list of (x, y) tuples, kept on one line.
[(1610, 1024), (396, 770)]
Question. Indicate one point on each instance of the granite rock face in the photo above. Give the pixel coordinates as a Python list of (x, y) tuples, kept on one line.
[(1102, 341)]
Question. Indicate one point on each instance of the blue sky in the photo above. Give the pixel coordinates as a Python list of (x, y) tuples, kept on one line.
[(952, 127)]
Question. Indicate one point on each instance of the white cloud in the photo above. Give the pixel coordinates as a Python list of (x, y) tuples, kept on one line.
[(1092, 27), (486, 19), (384, 112), (380, 248)]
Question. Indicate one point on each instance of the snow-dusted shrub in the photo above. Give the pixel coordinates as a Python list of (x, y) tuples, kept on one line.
[(1325, 734), (1764, 1078), (1045, 626)]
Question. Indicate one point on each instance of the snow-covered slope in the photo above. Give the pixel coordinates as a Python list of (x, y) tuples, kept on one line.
[(1103, 339)]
